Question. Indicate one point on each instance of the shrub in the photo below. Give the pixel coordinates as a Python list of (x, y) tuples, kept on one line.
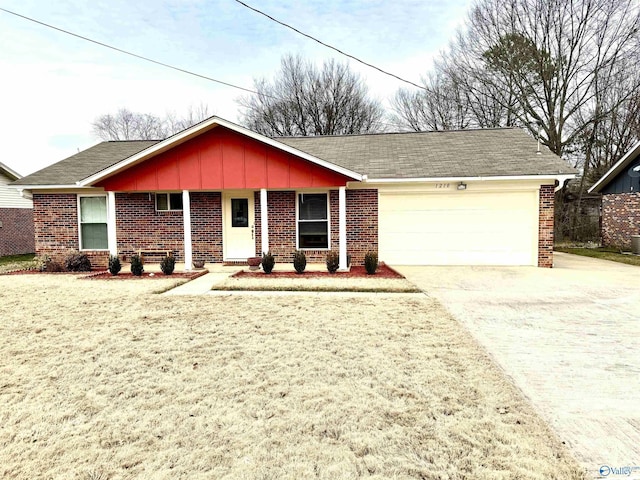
[(136, 265), (268, 262), (168, 264), (371, 262), (40, 262), (299, 261), (54, 266), (77, 262), (114, 265), (333, 261)]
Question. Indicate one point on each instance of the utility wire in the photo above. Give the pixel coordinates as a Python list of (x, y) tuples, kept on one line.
[(329, 46), (141, 57)]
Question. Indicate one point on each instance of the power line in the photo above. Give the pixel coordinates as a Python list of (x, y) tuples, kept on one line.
[(329, 46), (141, 57)]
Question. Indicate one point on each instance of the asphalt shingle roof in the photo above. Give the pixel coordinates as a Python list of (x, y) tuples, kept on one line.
[(460, 153), (85, 163)]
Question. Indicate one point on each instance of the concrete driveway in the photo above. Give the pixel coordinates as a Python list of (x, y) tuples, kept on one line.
[(569, 337)]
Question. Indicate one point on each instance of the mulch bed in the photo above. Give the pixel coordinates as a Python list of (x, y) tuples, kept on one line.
[(105, 275), (355, 272)]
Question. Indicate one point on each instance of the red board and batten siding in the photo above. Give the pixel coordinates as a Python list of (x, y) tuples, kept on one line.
[(222, 159)]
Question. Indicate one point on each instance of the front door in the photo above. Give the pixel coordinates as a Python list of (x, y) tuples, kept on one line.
[(239, 227)]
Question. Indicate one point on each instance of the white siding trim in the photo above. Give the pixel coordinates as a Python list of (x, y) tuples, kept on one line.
[(264, 220), (112, 238), (186, 215), (342, 227)]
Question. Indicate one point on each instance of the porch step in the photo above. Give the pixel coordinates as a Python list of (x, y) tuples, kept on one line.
[(235, 263)]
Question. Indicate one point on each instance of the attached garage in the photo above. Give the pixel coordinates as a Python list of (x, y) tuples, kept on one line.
[(451, 227)]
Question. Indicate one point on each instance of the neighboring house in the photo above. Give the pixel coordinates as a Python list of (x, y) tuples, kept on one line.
[(16, 217), (220, 192), (620, 189)]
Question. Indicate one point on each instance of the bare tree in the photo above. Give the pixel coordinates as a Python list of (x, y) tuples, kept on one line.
[(304, 100), (530, 62), (128, 125)]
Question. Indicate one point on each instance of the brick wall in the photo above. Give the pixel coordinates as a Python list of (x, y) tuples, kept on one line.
[(281, 208), (545, 226), (206, 226), (620, 219), (362, 223), (16, 232), (55, 219), (140, 227)]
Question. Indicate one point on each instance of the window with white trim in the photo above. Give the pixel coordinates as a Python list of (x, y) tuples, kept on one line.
[(93, 222), (313, 220), (168, 201)]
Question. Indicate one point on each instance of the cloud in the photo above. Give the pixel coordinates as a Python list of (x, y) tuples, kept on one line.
[(54, 85)]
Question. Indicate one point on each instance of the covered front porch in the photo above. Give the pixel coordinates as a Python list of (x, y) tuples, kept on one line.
[(233, 225)]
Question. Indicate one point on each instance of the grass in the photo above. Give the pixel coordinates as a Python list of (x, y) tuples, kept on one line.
[(106, 380), (266, 283), (15, 262), (603, 253)]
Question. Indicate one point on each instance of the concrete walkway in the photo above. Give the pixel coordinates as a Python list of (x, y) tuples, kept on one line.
[(569, 337), (202, 285)]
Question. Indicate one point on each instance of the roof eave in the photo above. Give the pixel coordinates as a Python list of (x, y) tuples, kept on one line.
[(616, 169), (561, 177), (49, 187), (194, 131), (12, 173)]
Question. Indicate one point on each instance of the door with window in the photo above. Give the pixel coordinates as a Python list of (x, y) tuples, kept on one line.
[(239, 226)]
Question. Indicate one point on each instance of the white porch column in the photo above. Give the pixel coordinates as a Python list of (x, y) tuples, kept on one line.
[(112, 237), (186, 215), (264, 220), (342, 227)]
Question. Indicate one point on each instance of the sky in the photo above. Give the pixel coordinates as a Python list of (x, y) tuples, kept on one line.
[(53, 86)]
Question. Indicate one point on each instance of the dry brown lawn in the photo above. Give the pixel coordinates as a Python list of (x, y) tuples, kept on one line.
[(107, 380)]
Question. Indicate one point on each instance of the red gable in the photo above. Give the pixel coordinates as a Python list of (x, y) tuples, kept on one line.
[(221, 159)]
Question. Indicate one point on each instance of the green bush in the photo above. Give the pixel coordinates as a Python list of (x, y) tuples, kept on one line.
[(333, 261), (371, 262), (114, 265), (136, 265), (268, 262), (299, 261), (168, 264), (77, 262)]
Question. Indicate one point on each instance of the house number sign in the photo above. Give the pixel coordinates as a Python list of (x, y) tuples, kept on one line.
[(443, 185)]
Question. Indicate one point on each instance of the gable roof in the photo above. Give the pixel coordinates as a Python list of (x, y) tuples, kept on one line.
[(613, 172), (503, 152), (87, 162), (457, 153), (9, 173)]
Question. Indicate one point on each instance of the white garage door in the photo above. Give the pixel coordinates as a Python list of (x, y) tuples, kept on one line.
[(459, 228)]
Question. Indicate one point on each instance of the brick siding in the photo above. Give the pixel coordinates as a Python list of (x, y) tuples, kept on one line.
[(16, 232), (206, 226), (545, 226), (362, 224), (55, 218), (620, 219), (140, 227)]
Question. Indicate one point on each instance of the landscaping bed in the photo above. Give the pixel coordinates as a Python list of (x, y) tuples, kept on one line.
[(383, 271), (105, 275)]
